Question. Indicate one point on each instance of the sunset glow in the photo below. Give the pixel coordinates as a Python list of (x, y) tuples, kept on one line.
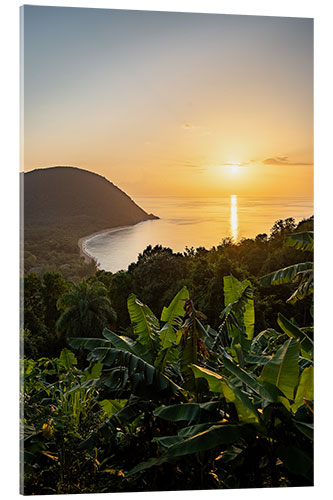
[(171, 104)]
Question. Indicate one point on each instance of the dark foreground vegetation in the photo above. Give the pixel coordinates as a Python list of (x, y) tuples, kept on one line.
[(188, 371)]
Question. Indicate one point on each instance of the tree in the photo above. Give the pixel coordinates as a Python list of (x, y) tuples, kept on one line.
[(53, 287), (86, 310)]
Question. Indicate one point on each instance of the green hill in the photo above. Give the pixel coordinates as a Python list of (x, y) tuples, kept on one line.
[(63, 204), (63, 194)]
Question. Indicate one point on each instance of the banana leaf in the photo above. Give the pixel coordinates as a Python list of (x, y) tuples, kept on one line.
[(293, 331), (301, 241), (127, 344), (285, 275), (239, 295), (214, 436), (244, 406), (305, 286), (206, 440), (171, 315), (305, 389), (264, 390), (282, 370), (188, 411), (148, 374), (145, 324), (214, 379), (88, 343)]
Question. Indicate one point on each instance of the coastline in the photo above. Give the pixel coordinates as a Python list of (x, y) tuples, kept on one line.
[(82, 241)]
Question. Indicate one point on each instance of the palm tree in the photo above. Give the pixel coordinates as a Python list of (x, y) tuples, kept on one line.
[(86, 310)]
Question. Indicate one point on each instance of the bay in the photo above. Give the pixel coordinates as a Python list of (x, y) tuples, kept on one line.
[(193, 222)]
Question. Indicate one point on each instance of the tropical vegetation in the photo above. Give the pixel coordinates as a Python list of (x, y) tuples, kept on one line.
[(209, 384)]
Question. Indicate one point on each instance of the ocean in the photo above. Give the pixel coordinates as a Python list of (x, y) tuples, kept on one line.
[(193, 222)]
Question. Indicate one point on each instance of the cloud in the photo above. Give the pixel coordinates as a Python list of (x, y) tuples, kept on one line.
[(190, 164), (283, 160), (189, 126), (235, 163)]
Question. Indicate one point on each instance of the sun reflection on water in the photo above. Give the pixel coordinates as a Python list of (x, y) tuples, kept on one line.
[(233, 217)]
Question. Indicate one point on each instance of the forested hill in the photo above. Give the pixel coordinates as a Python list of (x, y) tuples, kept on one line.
[(59, 194), (63, 204)]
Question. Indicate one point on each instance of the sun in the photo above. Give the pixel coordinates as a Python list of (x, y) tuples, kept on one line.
[(232, 170)]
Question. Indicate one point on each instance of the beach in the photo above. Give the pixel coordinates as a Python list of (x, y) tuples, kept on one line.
[(82, 241)]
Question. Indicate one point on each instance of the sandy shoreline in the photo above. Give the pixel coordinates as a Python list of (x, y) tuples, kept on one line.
[(82, 241)]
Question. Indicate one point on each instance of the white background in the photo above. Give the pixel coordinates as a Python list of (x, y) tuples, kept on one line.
[(321, 10)]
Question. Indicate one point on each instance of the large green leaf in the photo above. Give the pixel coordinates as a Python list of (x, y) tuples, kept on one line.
[(87, 343), (139, 371), (189, 352), (305, 389), (192, 430), (285, 275), (171, 314), (260, 343), (301, 241), (183, 433), (119, 412), (244, 406), (293, 331), (245, 409), (145, 324), (205, 440), (67, 359), (112, 406), (192, 345), (266, 391), (167, 441), (188, 411), (305, 286), (254, 359), (234, 291), (167, 357), (214, 379), (208, 439), (94, 371), (282, 370), (127, 344), (133, 409)]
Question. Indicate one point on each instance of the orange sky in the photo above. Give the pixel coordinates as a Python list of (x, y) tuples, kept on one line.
[(171, 104)]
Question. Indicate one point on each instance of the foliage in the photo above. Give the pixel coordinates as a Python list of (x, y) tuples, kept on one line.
[(86, 309), (301, 274), (174, 400)]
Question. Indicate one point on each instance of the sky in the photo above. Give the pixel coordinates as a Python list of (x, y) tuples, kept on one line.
[(171, 103)]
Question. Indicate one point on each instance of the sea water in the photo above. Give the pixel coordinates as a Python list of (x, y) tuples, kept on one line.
[(193, 222)]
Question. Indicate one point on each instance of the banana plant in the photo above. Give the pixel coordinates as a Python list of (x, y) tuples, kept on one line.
[(237, 328), (126, 361), (251, 394), (145, 365), (281, 387), (299, 274), (157, 355)]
